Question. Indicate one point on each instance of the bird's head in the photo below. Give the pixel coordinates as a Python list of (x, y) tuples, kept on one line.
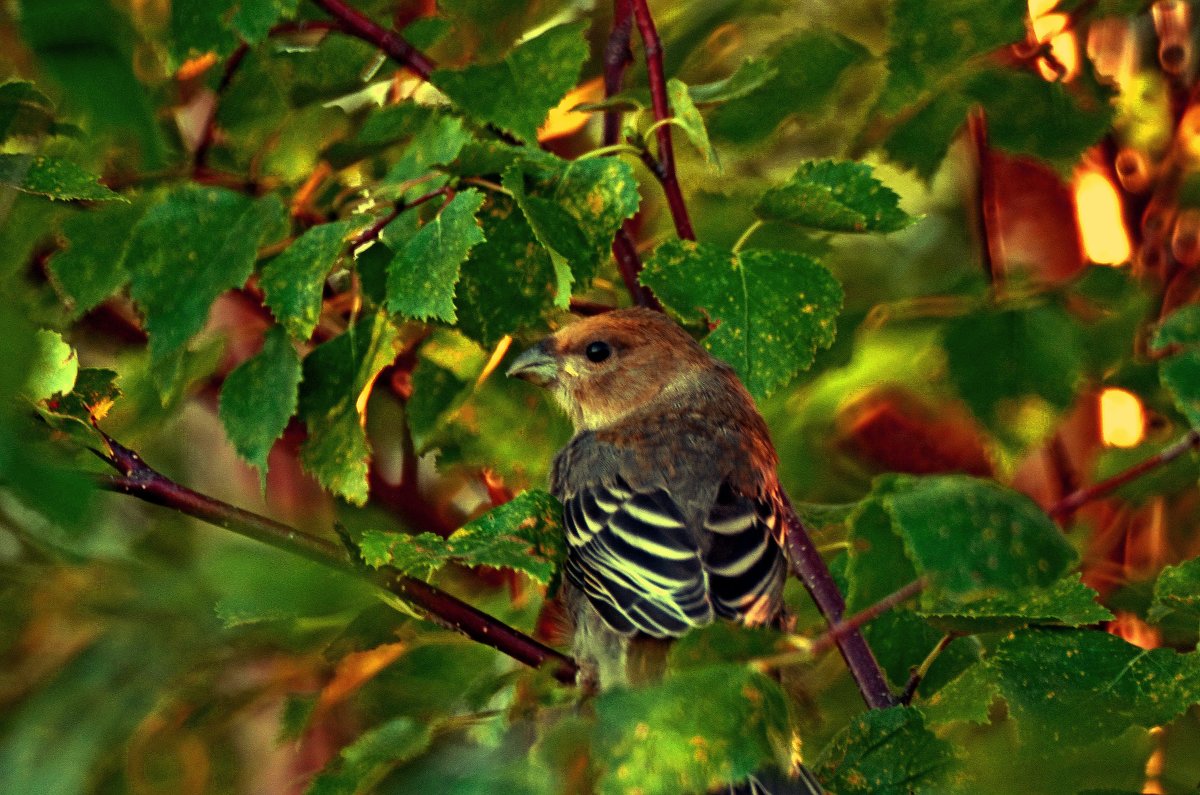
[(605, 367)]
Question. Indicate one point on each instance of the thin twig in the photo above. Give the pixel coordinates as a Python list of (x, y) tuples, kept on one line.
[(921, 671), (617, 57), (359, 25), (652, 47), (1073, 501), (136, 478), (374, 230), (811, 569), (810, 649), (988, 227)]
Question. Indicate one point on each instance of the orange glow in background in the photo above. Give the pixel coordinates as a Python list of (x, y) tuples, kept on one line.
[(1101, 225), (1122, 419)]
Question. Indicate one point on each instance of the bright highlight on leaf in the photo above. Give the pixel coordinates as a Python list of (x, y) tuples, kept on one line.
[(1122, 418)]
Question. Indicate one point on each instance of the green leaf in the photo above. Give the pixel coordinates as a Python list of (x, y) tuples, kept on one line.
[(664, 738), (999, 358), (807, 69), (921, 141), (362, 765), (423, 274), (992, 557), (574, 207), (517, 93), (52, 177), (1177, 590), (442, 380), (92, 267), (687, 117), (93, 394), (199, 27), (835, 197), (773, 309), (26, 112), (54, 368), (752, 75), (1051, 678), (1052, 121), (886, 751), (437, 141), (186, 251), (508, 280), (259, 397), (930, 39), (966, 699), (293, 283), (254, 19), (974, 535), (524, 534), (337, 380), (1180, 373)]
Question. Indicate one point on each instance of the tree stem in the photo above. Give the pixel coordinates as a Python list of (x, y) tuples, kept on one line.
[(358, 24), (652, 46), (1076, 499), (137, 479), (811, 569)]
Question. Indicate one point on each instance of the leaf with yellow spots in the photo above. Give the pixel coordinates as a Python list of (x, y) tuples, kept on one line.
[(664, 738), (835, 197), (524, 534), (770, 311), (885, 752), (337, 377), (52, 177), (423, 274), (1053, 678)]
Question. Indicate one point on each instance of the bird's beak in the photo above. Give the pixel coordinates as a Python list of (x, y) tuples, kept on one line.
[(536, 365)]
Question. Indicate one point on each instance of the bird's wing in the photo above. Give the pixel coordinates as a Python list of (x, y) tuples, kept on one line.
[(744, 558), (633, 555)]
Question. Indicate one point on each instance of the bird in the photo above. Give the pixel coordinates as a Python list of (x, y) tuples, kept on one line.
[(671, 502)]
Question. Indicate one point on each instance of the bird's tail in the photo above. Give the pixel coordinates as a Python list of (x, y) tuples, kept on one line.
[(771, 781)]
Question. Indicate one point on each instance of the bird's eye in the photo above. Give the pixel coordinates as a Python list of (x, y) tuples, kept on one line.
[(597, 351)]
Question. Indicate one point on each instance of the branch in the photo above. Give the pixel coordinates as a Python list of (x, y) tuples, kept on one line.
[(652, 47), (138, 479), (919, 672), (811, 569), (359, 25), (988, 226), (1076, 499), (810, 649), (374, 230), (617, 57)]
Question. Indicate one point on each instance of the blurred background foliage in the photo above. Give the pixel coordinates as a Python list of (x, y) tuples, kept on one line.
[(287, 271)]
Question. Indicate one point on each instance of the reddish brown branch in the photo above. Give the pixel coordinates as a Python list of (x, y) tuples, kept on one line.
[(854, 622), (617, 57), (374, 230), (138, 479), (652, 46), (359, 25), (811, 569), (988, 227), (1076, 499)]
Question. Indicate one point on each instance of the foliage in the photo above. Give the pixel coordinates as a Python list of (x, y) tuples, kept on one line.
[(289, 270)]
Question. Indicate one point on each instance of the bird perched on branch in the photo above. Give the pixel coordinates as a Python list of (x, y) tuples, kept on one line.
[(671, 501)]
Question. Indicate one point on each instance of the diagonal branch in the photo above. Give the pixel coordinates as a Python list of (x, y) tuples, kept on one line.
[(138, 479), (359, 25), (811, 569), (652, 46), (1065, 507)]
